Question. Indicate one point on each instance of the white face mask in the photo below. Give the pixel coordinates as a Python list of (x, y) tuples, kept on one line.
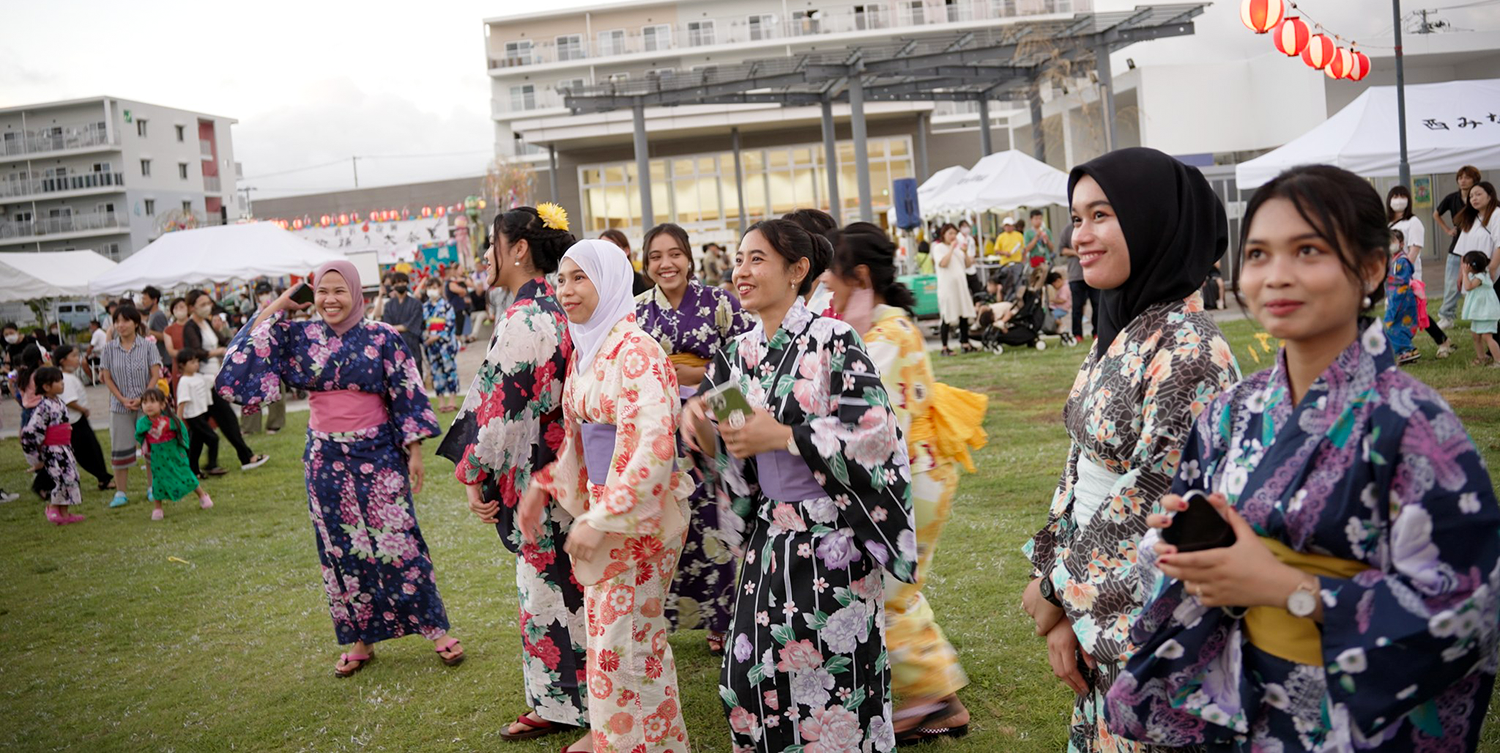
[(432, 294), (1398, 204), (1395, 247), (12, 338)]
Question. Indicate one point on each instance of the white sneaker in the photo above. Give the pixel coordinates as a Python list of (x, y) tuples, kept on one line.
[(256, 462), (1446, 349), (1445, 324), (8, 497)]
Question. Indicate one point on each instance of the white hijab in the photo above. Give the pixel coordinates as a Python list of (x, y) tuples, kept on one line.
[(609, 269)]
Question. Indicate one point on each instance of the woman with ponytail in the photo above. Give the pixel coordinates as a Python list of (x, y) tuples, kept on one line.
[(940, 424)]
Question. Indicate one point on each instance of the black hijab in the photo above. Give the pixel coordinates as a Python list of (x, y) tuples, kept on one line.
[(1174, 225)]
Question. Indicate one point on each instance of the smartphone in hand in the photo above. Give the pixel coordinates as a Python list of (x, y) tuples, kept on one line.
[(728, 404), (302, 294), (1199, 527)]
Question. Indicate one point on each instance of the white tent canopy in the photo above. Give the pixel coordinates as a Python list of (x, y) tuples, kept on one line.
[(1442, 134), (49, 274), (214, 254), (939, 182), (1004, 180)]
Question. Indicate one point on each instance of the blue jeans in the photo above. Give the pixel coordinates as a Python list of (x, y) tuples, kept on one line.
[(1451, 296)]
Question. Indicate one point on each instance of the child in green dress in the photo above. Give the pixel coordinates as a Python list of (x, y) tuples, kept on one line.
[(164, 438)]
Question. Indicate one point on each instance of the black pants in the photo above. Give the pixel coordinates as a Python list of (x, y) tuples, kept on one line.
[(229, 425), (200, 433), (87, 452), (1435, 332), (963, 331), (1081, 292)]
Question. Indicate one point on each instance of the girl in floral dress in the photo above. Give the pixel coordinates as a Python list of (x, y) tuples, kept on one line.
[(46, 440), (816, 485), (163, 438), (691, 322), (616, 475), (364, 461), (1400, 302), (510, 425), (1356, 608), (1147, 230), (440, 344)]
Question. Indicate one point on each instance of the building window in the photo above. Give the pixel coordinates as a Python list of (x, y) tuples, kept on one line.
[(867, 17), (181, 134), (805, 22), (571, 83), (518, 52), (615, 78), (182, 170), (915, 11), (657, 37), (145, 168), (612, 42), (762, 27), (570, 47), (187, 207), (523, 97), (150, 207), (105, 208), (140, 128), (700, 33)]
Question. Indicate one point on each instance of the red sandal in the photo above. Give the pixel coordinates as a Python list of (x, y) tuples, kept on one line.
[(451, 661), (359, 660), (539, 727)]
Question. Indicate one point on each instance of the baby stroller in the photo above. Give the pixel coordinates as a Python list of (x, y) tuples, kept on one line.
[(1023, 329)]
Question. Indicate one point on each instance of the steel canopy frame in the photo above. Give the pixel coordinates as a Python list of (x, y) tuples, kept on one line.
[(999, 63)]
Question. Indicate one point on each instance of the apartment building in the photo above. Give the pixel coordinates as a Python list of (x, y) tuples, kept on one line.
[(109, 174)]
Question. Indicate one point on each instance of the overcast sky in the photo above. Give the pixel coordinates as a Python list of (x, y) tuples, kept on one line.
[(316, 82)]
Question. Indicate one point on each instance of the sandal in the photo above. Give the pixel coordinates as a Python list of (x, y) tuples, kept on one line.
[(451, 661), (927, 728), (358, 660), (716, 642), (538, 727)]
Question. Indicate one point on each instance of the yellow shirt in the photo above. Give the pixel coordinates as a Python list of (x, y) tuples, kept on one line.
[(1009, 246)]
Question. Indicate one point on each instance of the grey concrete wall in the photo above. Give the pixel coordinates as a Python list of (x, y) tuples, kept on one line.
[(413, 196)]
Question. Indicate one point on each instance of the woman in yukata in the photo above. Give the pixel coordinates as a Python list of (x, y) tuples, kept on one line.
[(364, 460), (617, 477), (692, 321), (1147, 230), (511, 424), (816, 483), (1356, 607)]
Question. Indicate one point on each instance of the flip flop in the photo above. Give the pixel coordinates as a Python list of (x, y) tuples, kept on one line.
[(362, 660), (927, 728), (451, 661), (539, 727), (716, 642)]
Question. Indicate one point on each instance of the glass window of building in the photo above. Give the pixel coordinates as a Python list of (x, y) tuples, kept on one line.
[(518, 52), (523, 97), (612, 42), (700, 33), (570, 47), (762, 26), (656, 37)]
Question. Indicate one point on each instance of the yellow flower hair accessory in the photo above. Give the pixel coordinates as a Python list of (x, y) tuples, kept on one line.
[(553, 216)]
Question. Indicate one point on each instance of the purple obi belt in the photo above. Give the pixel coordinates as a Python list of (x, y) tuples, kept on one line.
[(686, 392), (341, 411), (784, 477), (598, 450)]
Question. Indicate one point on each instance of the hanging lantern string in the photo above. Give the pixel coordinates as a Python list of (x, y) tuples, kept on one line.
[(1321, 29)]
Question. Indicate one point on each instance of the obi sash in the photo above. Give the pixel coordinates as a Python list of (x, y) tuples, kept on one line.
[(58, 435), (598, 450), (339, 411), (1278, 632), (784, 477), (1091, 491), (953, 423), (687, 359)]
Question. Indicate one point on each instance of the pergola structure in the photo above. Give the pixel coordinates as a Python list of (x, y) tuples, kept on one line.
[(1001, 63)]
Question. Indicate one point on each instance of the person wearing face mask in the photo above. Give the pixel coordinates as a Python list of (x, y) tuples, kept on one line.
[(1400, 302), (440, 343), (941, 424), (367, 420), (270, 418), (1147, 228), (16, 344), (202, 332), (1400, 219), (156, 320), (691, 321), (404, 312)]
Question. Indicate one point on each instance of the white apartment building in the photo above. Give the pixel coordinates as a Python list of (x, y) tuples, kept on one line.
[(108, 174)]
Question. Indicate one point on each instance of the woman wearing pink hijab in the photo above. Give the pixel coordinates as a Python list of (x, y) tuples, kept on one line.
[(364, 463)]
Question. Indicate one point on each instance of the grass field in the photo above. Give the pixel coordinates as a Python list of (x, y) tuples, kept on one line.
[(109, 642)]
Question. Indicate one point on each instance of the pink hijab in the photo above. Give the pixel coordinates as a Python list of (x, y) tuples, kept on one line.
[(351, 276)]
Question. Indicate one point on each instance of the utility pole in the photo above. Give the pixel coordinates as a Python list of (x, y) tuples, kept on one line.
[(1401, 94), (354, 162)]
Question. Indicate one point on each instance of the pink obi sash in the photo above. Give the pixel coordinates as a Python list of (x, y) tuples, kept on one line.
[(340, 411), (58, 435)]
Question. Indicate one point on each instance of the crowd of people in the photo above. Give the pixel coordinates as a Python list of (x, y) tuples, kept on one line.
[(1227, 563)]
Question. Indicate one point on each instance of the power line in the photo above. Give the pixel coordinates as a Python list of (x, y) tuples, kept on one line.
[(367, 157)]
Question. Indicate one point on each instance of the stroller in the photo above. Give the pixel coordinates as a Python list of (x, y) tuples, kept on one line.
[(1023, 330)]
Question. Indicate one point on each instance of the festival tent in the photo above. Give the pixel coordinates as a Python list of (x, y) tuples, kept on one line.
[(214, 254), (1001, 181), (31, 275), (1448, 125), (940, 181)]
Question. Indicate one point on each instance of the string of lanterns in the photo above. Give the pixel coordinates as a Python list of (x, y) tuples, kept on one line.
[(380, 215), (1292, 37)]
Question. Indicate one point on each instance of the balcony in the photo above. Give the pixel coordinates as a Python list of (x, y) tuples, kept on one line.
[(843, 19), (16, 189), (211, 184), (55, 140), (51, 226), (206, 148)]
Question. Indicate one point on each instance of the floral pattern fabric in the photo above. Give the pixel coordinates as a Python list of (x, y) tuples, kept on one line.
[(439, 320), (1129, 412), (376, 569), (1372, 466), (702, 596), (56, 460), (164, 442), (807, 667), (510, 424), (1400, 304)]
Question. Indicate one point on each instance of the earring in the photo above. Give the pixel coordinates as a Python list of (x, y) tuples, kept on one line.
[(517, 262), (1367, 302)]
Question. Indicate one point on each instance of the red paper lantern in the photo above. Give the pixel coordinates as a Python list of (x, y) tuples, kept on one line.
[(325, 220), (1260, 16), (1290, 36), (297, 224), (1318, 52), (1339, 64), (343, 219), (442, 211), (1359, 66)]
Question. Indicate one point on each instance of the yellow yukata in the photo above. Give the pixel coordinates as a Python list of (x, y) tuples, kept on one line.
[(923, 664), (641, 506)]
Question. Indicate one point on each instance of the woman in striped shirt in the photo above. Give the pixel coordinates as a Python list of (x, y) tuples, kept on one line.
[(129, 365)]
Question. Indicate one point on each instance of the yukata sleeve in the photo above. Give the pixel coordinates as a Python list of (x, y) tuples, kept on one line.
[(856, 452), (729, 318), (1059, 528), (258, 360), (32, 436), (733, 481), (1431, 612), (565, 478), (411, 414), (885, 356), (142, 428)]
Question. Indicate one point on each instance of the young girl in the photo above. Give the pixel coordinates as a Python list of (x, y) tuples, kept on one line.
[(1481, 308), (440, 341), (1401, 301), (45, 441), (164, 440), (86, 450)]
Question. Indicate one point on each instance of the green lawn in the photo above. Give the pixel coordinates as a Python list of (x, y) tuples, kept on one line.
[(109, 643)]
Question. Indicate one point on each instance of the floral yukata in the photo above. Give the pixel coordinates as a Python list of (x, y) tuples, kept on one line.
[(634, 494), (438, 320), (375, 565), (702, 596), (1370, 466), (1128, 415), (1400, 304), (164, 441), (807, 663), (511, 424), (55, 454)]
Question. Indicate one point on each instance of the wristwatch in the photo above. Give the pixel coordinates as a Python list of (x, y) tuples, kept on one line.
[(1303, 601), (1049, 592)]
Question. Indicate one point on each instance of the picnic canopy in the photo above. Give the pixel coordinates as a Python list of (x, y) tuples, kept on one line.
[(1448, 125), (940, 181), (1004, 180), (30, 275), (214, 254)]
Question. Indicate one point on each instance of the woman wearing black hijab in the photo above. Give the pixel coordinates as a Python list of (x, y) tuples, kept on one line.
[(1147, 230)]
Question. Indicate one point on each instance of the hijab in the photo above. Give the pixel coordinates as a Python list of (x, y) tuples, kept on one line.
[(1173, 223), (613, 278), (351, 277)]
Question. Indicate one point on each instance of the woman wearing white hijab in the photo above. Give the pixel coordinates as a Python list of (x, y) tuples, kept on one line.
[(616, 474)]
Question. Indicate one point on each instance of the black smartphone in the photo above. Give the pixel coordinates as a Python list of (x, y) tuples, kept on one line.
[(1199, 527), (303, 293)]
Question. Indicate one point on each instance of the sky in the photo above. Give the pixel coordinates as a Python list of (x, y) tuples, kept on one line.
[(400, 84)]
